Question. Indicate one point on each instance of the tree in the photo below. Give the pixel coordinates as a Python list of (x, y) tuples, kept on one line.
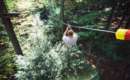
[(9, 27)]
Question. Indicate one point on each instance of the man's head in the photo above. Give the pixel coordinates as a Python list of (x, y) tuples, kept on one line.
[(70, 33)]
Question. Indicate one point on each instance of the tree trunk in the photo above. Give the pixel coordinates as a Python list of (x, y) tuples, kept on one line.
[(109, 20), (9, 27), (128, 22), (121, 21), (62, 13)]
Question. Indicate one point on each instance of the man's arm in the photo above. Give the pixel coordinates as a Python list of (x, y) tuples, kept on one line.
[(67, 29)]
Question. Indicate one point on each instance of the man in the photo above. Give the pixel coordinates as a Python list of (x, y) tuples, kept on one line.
[(70, 37)]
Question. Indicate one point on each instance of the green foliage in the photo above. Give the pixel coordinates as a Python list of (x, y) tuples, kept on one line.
[(88, 35), (92, 18), (11, 4), (101, 44), (47, 61), (48, 58), (7, 64)]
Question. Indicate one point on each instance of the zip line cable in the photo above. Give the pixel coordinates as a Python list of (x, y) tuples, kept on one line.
[(84, 27), (80, 27)]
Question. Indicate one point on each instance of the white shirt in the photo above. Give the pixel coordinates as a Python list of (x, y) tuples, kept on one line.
[(70, 41)]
